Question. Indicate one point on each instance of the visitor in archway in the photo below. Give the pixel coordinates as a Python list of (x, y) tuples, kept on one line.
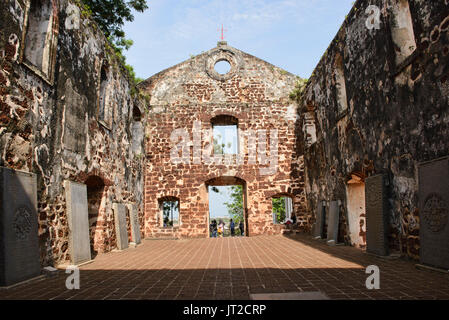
[(241, 228), (232, 227), (220, 228), (213, 228)]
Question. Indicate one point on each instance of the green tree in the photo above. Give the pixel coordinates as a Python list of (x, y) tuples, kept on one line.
[(111, 15), (279, 209), (168, 209), (220, 148), (235, 206)]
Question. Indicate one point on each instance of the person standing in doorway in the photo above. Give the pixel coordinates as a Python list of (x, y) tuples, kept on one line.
[(213, 228), (232, 227), (241, 228), (220, 228)]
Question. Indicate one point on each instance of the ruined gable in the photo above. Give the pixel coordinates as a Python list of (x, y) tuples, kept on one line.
[(250, 80), (192, 98)]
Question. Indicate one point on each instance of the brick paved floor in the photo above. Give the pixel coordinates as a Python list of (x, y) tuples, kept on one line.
[(233, 268)]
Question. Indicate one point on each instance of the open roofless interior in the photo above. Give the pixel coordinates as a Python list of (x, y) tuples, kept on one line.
[(329, 180)]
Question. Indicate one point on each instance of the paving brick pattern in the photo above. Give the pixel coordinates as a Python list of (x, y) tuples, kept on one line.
[(233, 268)]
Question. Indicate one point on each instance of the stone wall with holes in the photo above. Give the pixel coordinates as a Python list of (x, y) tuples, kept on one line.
[(185, 99), (379, 101), (49, 121)]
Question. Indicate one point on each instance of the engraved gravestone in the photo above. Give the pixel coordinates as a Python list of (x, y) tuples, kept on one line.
[(434, 213), (376, 215), (320, 220), (19, 244), (74, 136), (135, 225), (334, 218), (78, 220), (120, 225)]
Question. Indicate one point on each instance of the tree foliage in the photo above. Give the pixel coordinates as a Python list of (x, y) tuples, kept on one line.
[(297, 93), (169, 208), (111, 15), (279, 209), (235, 206), (220, 148)]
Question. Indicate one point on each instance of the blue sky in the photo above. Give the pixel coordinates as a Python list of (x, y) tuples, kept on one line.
[(291, 34)]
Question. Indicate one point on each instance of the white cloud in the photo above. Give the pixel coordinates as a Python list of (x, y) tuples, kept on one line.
[(242, 16)]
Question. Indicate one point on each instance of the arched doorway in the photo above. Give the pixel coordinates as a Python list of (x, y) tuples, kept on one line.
[(95, 192), (229, 181), (355, 199)]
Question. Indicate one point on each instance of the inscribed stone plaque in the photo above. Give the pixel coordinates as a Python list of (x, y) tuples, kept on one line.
[(135, 225), (376, 215), (320, 220), (74, 119), (334, 219), (19, 244), (434, 213), (78, 219), (120, 225)]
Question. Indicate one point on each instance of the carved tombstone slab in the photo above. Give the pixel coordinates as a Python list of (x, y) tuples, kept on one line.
[(120, 225), (74, 119), (320, 220), (376, 215), (135, 225), (78, 219), (19, 244), (334, 219), (434, 213)]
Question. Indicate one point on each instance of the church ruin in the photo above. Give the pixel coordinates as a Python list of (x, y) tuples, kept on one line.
[(187, 102), (87, 158)]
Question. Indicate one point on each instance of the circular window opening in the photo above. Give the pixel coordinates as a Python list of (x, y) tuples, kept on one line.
[(222, 67)]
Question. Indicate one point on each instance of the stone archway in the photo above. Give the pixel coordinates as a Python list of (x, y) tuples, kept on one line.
[(229, 181)]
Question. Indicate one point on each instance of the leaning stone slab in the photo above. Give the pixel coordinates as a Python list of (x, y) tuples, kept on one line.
[(320, 220), (120, 225), (434, 213), (135, 225), (334, 219), (19, 243), (78, 219), (376, 215)]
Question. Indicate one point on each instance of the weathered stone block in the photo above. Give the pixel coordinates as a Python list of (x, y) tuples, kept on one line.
[(120, 225), (135, 225), (320, 220), (19, 245), (376, 215), (334, 218), (74, 120), (434, 212), (78, 219)]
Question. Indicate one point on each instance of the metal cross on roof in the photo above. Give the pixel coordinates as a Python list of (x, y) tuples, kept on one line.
[(222, 32)]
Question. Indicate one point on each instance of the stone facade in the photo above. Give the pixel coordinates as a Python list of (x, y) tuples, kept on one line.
[(186, 101), (377, 103), (68, 113)]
